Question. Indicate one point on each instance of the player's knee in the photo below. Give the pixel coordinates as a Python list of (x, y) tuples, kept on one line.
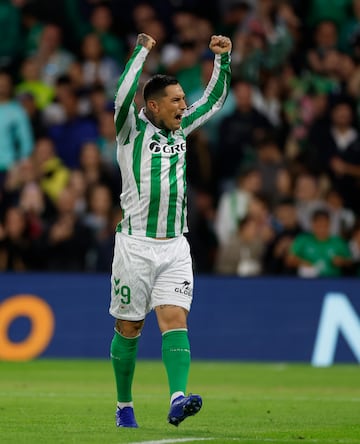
[(129, 329)]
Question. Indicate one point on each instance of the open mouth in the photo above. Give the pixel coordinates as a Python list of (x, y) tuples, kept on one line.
[(178, 117)]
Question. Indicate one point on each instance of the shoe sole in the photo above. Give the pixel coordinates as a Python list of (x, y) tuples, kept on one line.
[(191, 407)]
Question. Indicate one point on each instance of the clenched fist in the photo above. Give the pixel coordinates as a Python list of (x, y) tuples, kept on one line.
[(145, 40), (220, 44)]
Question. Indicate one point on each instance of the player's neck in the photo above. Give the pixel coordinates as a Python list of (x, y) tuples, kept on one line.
[(157, 123)]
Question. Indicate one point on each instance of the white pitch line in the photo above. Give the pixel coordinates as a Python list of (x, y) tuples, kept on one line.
[(171, 441)]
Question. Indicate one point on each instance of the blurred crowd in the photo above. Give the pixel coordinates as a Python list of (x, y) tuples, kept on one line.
[(274, 177)]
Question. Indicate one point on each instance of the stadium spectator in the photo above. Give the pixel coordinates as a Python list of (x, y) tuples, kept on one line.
[(67, 240), (10, 42), (53, 60), (98, 218), (51, 173), (97, 171), (16, 138), (238, 134), (70, 135), (15, 254), (269, 161), (27, 101), (97, 67), (308, 198), (338, 153), (242, 254), (31, 83), (342, 219), (234, 203), (107, 137), (317, 253), (286, 228)]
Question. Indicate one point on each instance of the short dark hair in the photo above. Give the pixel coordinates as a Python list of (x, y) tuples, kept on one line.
[(157, 84), (319, 214)]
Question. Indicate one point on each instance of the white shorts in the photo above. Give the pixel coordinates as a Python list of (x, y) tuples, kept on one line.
[(147, 273)]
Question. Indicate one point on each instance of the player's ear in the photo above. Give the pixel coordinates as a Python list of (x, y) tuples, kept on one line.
[(152, 105)]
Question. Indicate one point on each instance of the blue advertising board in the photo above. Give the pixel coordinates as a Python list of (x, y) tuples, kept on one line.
[(263, 319)]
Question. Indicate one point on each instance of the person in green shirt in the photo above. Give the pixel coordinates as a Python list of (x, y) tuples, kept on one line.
[(318, 253)]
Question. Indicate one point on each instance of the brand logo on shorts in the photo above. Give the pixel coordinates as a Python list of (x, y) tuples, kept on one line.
[(185, 288)]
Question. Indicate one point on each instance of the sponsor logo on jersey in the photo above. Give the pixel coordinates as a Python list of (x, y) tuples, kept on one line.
[(157, 148), (184, 288)]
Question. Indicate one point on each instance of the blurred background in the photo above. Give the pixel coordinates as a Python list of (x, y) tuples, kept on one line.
[(274, 178)]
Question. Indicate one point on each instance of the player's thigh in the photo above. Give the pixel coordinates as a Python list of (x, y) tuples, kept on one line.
[(131, 279), (174, 283)]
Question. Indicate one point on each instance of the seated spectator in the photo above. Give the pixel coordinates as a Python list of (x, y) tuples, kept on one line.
[(269, 162), (78, 187), (22, 173), (260, 210), (67, 240), (56, 112), (69, 136), (15, 246), (104, 246), (286, 228), (52, 174), (201, 236), (338, 152), (242, 254), (10, 43), (52, 59), (16, 136), (325, 41), (96, 171), (99, 208), (307, 194), (239, 133), (100, 22), (98, 218), (342, 219), (233, 204), (32, 202), (31, 83), (318, 253), (107, 138), (262, 42), (98, 68), (27, 101)]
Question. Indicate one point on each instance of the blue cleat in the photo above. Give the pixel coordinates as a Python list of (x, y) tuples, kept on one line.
[(125, 417), (182, 407)]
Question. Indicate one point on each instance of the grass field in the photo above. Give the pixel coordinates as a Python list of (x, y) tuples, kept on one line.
[(51, 401)]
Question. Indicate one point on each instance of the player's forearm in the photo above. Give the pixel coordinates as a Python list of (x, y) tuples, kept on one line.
[(214, 95), (128, 81)]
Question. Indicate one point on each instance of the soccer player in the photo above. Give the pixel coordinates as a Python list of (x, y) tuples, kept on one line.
[(152, 266)]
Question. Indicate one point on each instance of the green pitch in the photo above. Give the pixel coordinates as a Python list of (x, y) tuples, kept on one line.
[(50, 401)]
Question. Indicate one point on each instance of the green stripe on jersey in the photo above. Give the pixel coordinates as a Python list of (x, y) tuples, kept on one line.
[(137, 151), (153, 215), (170, 228), (126, 103), (184, 199)]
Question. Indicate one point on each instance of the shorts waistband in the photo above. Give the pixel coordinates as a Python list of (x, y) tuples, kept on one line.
[(150, 240)]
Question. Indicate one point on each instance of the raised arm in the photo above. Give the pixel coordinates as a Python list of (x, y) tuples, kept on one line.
[(217, 89), (125, 110)]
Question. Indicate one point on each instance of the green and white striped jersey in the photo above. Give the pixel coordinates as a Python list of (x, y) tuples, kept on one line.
[(152, 161)]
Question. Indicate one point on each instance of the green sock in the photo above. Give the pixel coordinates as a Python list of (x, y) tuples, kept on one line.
[(123, 356), (176, 358)]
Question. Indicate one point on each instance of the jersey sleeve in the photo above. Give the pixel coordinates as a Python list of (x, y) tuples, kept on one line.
[(125, 109), (214, 95)]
